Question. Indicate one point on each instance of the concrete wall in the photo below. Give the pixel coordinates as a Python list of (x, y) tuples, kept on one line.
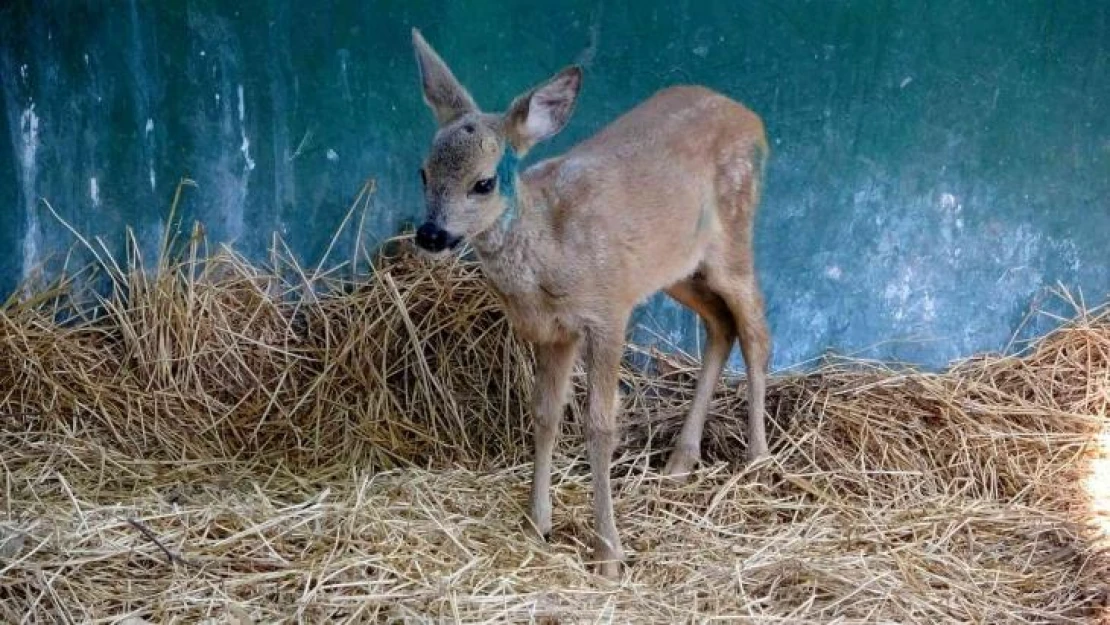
[(934, 165)]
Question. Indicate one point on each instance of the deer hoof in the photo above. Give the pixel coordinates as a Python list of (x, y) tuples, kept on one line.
[(540, 528), (757, 458), (681, 465), (607, 562)]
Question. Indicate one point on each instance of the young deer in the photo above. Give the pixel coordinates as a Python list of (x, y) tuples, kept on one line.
[(662, 199)]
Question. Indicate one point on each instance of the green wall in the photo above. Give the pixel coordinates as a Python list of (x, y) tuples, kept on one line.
[(935, 165)]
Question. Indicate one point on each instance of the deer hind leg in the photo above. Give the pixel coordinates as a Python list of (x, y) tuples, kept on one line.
[(604, 348), (553, 367), (720, 335), (738, 287)]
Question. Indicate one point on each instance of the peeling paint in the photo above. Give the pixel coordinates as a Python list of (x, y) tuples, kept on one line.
[(28, 165), (245, 146), (344, 80)]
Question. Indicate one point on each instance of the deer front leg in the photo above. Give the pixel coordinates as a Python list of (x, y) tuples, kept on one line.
[(553, 366), (603, 361)]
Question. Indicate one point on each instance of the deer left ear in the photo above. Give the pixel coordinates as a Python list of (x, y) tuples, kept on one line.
[(447, 98), (544, 111)]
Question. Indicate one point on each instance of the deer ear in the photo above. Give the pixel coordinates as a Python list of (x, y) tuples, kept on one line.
[(543, 111), (445, 96)]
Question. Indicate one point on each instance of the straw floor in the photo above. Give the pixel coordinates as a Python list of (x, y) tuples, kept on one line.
[(233, 443)]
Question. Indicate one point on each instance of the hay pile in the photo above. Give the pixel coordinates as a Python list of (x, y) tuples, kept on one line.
[(232, 443)]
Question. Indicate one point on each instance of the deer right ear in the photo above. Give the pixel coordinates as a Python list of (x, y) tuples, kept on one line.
[(443, 93), (545, 110)]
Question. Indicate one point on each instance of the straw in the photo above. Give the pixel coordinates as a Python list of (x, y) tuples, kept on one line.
[(221, 441)]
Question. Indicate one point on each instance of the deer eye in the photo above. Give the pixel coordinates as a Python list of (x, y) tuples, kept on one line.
[(484, 186)]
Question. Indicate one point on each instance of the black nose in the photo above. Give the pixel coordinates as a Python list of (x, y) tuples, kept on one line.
[(435, 239)]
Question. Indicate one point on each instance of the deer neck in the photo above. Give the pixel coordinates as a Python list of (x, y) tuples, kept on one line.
[(510, 249)]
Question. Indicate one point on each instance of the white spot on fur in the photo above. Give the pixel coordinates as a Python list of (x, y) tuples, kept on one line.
[(332, 155), (571, 171)]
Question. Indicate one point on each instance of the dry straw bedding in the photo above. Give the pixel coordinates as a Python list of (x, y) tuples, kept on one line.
[(228, 442)]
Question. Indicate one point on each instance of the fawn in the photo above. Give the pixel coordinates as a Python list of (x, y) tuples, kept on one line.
[(663, 198)]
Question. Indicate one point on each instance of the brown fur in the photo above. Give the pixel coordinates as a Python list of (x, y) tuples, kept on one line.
[(663, 198)]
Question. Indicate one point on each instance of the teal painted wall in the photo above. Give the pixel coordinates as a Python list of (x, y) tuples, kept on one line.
[(935, 165)]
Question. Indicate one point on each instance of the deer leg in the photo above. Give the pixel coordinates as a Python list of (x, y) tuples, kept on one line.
[(720, 334), (604, 349), (553, 367), (741, 293)]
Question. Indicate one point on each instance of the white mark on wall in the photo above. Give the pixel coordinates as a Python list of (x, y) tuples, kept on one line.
[(29, 136), (242, 105), (804, 312), (29, 146), (150, 165), (94, 192), (951, 224), (909, 297), (897, 293), (586, 57), (344, 80), (928, 306), (1069, 253), (245, 146), (833, 272), (332, 155)]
